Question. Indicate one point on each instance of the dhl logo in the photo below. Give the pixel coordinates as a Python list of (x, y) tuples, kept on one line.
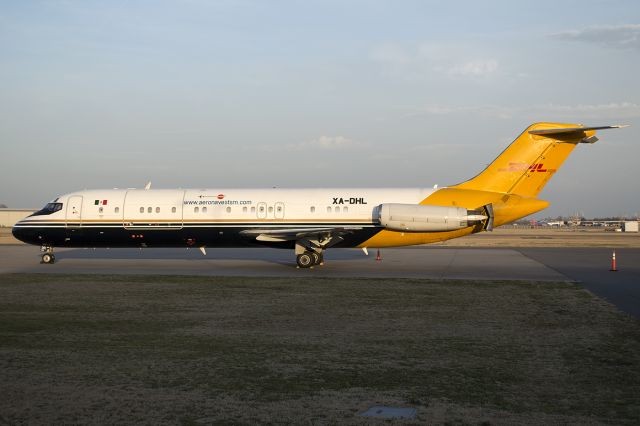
[(537, 168), (524, 167)]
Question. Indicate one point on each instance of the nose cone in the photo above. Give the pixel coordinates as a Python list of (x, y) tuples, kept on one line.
[(18, 233), (24, 234)]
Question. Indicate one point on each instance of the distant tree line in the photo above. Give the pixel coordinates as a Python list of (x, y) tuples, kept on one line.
[(567, 220)]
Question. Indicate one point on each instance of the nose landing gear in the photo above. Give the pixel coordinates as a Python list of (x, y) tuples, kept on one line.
[(47, 256)]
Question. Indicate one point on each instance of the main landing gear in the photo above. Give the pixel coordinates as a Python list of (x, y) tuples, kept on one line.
[(309, 259), (310, 249), (47, 255)]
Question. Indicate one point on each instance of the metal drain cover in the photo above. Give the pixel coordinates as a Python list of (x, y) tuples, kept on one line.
[(390, 412)]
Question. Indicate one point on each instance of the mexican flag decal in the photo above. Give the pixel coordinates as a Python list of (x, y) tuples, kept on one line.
[(100, 203)]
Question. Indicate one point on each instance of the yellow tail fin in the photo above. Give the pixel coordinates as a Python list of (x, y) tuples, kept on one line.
[(531, 160)]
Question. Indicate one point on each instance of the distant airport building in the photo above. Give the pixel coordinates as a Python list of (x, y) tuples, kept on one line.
[(9, 217), (631, 226)]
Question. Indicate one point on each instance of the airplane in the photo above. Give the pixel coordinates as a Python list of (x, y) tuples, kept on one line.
[(310, 221), (555, 223)]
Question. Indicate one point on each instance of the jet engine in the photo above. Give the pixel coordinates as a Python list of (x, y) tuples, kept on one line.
[(427, 218)]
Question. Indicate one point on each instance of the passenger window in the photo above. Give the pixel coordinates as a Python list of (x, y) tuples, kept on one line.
[(101, 209), (270, 209), (196, 209), (261, 209), (253, 209), (337, 209), (173, 209), (279, 209), (157, 209), (329, 209), (345, 209), (204, 210), (149, 209), (228, 209), (244, 210), (141, 209), (313, 209), (117, 210)]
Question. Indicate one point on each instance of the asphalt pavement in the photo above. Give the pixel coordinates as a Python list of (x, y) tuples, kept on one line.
[(589, 266)]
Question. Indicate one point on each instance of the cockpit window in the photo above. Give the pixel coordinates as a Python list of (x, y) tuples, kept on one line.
[(53, 207), (48, 209)]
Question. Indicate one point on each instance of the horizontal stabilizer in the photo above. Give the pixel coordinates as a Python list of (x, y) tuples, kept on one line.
[(573, 129)]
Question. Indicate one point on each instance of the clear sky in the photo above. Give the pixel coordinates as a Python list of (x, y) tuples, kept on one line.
[(102, 94)]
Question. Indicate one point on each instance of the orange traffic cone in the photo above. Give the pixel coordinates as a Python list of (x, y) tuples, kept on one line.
[(378, 257), (614, 267)]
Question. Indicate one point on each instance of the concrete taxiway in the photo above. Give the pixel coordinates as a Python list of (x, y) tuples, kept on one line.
[(451, 263), (589, 266)]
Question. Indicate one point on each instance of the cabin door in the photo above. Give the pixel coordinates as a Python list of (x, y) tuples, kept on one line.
[(74, 211)]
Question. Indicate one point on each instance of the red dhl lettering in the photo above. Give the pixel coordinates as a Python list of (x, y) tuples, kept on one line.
[(537, 168)]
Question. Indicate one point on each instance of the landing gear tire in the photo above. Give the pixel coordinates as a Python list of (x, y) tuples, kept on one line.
[(305, 260), (318, 259), (48, 258)]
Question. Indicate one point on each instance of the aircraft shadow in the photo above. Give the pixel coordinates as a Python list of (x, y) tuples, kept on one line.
[(283, 257)]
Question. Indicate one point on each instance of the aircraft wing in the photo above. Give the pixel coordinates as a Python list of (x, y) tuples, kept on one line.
[(294, 234)]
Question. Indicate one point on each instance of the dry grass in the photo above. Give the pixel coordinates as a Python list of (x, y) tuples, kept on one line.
[(194, 350)]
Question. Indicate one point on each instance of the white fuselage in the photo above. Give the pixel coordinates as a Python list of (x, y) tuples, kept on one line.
[(155, 207), (211, 217)]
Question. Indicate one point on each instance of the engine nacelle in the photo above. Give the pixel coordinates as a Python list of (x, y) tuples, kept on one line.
[(426, 218)]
